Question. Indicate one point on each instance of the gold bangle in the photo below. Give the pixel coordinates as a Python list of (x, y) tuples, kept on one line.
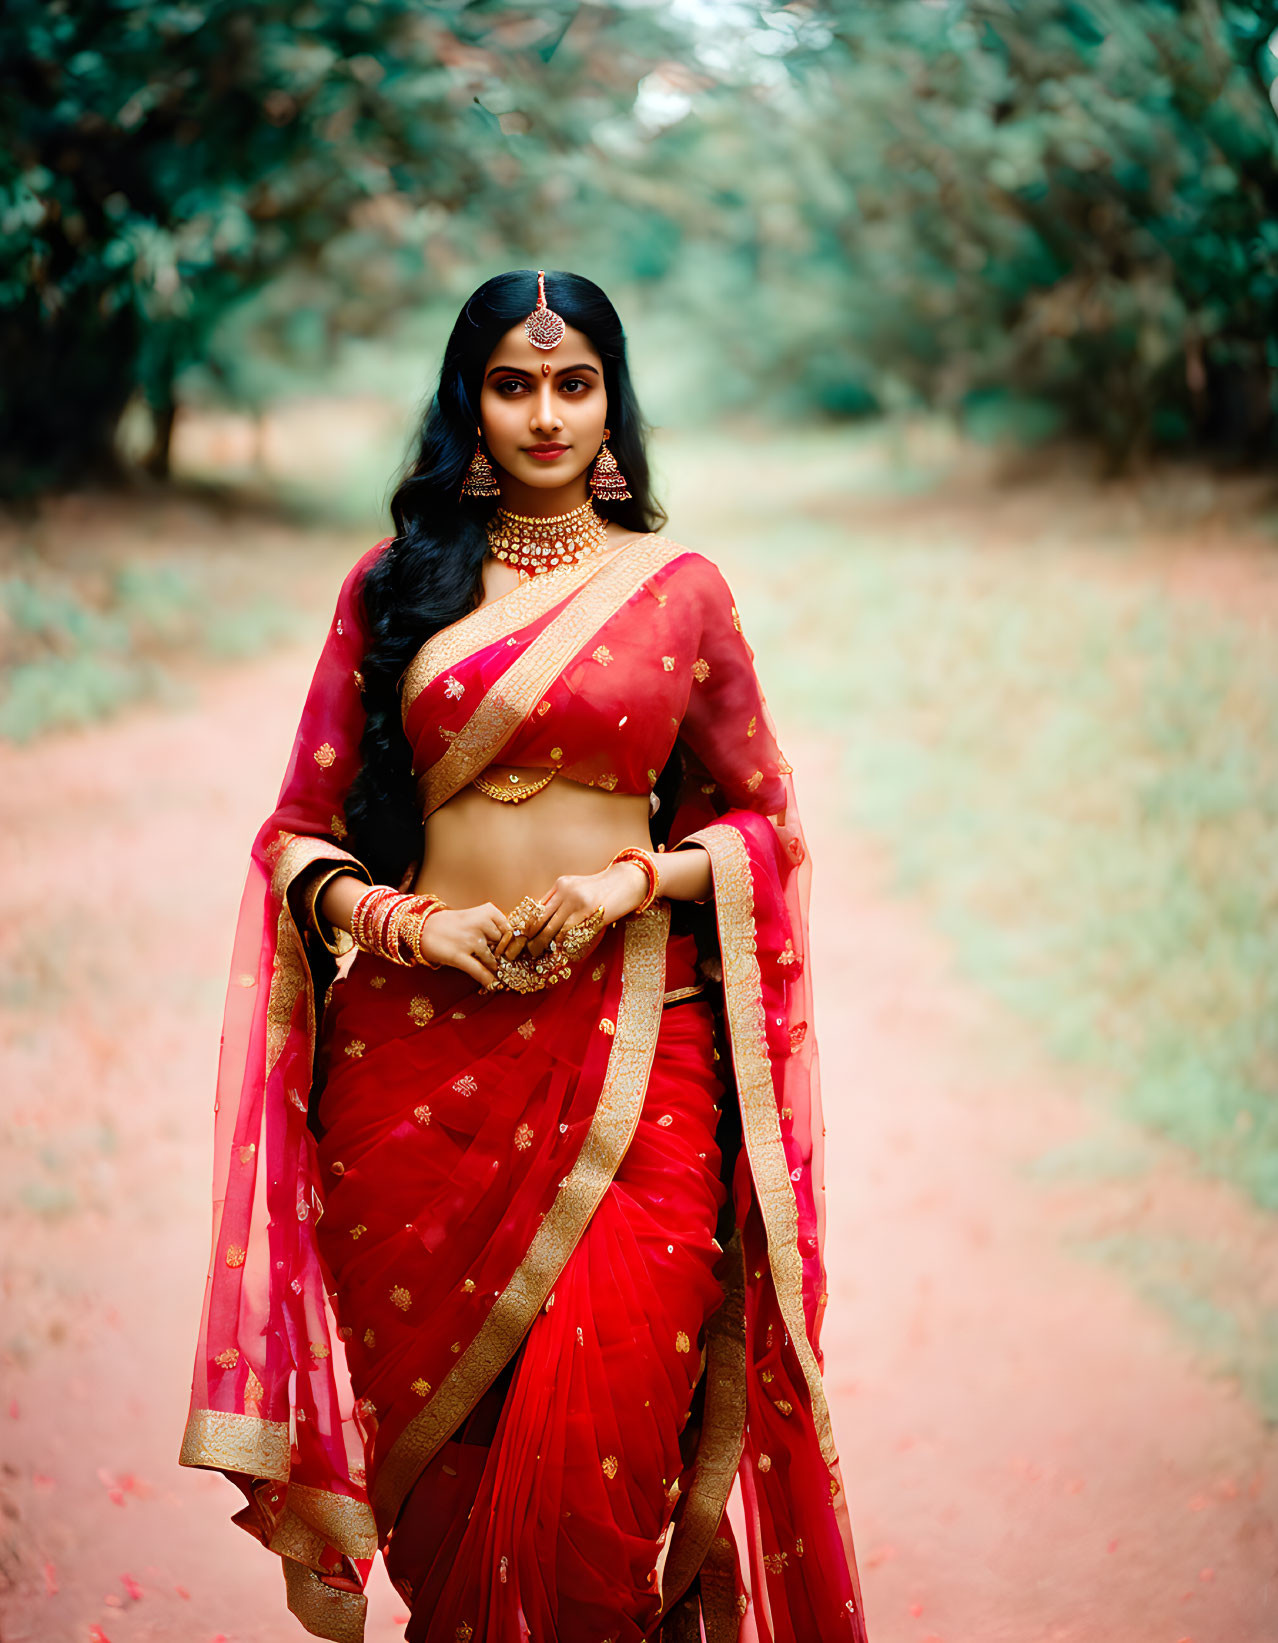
[(431, 906)]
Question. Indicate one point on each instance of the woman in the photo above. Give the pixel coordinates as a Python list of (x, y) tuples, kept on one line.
[(550, 1145)]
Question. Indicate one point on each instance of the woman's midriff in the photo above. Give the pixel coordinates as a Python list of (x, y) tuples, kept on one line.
[(478, 849)]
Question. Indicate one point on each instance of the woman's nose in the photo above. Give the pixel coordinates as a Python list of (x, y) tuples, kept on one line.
[(545, 417)]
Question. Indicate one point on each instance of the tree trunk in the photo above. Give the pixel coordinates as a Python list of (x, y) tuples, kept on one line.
[(157, 461), (66, 380)]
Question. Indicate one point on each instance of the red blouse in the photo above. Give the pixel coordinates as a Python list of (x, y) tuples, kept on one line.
[(668, 663)]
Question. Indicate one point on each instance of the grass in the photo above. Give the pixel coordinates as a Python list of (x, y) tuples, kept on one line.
[(107, 601), (73, 662)]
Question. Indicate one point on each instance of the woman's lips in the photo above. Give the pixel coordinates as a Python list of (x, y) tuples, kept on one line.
[(546, 453)]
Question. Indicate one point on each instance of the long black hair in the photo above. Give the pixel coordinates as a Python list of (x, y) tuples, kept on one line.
[(431, 573)]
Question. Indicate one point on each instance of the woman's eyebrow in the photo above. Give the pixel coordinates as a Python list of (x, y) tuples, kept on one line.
[(518, 370)]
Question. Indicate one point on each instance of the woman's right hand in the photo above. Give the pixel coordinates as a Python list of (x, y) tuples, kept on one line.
[(466, 938)]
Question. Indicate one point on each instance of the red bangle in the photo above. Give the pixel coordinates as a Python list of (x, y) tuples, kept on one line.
[(364, 902), (369, 916), (644, 859)]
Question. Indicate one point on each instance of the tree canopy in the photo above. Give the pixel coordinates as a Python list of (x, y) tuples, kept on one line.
[(1062, 209)]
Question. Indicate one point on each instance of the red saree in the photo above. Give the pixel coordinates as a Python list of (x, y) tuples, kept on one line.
[(570, 1241)]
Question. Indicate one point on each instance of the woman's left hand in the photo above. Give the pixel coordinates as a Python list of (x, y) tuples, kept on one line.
[(572, 899)]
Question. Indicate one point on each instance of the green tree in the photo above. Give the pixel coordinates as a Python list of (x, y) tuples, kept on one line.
[(164, 162), (1069, 201)]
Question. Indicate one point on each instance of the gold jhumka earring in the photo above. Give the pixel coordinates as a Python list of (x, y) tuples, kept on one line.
[(481, 476), (607, 481)]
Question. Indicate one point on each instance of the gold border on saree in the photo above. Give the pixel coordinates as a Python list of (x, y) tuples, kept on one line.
[(761, 1127)]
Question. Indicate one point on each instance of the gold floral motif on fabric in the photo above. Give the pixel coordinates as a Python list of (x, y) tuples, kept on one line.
[(611, 1131), (325, 756), (701, 670)]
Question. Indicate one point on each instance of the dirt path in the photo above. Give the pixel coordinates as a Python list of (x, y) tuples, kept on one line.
[(1030, 1453)]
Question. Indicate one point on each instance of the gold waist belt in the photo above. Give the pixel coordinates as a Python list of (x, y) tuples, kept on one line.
[(515, 788)]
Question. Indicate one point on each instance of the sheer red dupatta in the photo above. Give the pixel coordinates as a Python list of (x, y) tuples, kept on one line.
[(737, 800), (269, 1408)]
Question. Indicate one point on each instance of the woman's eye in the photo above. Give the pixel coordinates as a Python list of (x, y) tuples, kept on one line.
[(571, 382), (508, 382)]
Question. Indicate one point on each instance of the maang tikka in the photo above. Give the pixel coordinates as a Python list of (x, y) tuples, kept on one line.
[(544, 326)]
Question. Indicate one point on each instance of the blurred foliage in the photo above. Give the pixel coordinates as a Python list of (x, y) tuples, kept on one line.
[(1075, 769), (70, 659), (1040, 215), (164, 162)]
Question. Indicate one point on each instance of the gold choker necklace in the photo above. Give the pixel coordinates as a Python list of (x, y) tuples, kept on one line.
[(534, 545)]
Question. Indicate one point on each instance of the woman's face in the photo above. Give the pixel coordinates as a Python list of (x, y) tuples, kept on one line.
[(543, 411)]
